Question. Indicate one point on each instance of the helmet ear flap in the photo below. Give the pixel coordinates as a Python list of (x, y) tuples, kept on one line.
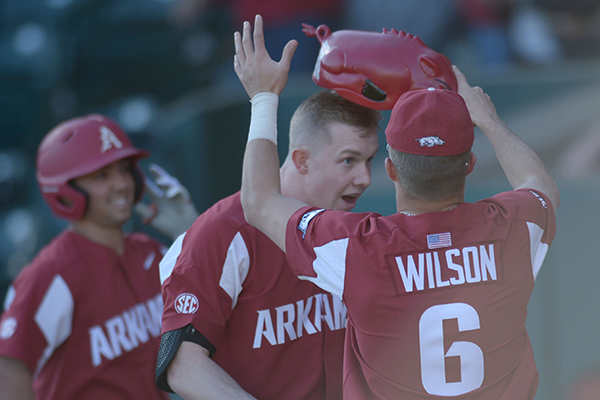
[(68, 202)]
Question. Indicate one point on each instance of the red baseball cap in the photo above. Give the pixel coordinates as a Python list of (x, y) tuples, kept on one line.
[(430, 122)]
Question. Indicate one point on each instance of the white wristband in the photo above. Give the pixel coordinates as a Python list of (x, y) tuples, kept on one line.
[(263, 123)]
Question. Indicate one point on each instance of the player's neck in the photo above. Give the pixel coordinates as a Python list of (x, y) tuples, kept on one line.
[(416, 207), (290, 183), (111, 237)]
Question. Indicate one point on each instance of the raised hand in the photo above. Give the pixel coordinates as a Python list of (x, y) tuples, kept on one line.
[(253, 65), (172, 211), (482, 110)]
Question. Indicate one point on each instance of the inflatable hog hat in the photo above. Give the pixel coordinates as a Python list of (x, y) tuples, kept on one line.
[(374, 69)]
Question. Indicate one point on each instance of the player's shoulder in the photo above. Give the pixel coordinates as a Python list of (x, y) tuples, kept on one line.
[(62, 255), (223, 219), (141, 239), (220, 230), (527, 199), (338, 224), (228, 209), (65, 248), (138, 241), (517, 205)]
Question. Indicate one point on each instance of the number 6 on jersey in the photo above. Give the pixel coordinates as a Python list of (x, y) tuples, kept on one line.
[(431, 338)]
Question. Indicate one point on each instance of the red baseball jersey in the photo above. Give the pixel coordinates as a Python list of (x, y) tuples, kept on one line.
[(436, 302), (86, 321), (277, 336)]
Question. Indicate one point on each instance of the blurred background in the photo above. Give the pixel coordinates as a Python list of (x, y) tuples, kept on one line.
[(163, 70)]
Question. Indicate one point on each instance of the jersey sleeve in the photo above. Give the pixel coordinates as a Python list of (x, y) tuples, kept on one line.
[(37, 318), (533, 207), (535, 210), (317, 243), (202, 275)]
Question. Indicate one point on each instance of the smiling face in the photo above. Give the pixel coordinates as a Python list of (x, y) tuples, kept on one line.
[(111, 192), (340, 171)]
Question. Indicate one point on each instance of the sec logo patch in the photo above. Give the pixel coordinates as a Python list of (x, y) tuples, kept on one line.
[(186, 303)]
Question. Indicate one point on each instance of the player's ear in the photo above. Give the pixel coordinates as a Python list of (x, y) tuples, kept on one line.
[(300, 158), (390, 169), (471, 163)]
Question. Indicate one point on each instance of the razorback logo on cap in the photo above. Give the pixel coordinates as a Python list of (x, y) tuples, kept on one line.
[(430, 122), (430, 141), (186, 303), (109, 139)]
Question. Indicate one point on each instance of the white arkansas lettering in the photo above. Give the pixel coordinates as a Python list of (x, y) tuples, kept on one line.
[(292, 321), (126, 331)]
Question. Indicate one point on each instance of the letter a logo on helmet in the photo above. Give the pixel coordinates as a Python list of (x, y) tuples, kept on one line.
[(108, 139)]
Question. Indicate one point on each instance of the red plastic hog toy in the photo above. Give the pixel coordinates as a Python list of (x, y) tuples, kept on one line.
[(373, 69)]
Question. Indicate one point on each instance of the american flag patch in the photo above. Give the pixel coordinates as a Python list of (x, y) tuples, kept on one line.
[(437, 240)]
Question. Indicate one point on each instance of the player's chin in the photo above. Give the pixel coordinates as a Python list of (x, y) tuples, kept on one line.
[(122, 216)]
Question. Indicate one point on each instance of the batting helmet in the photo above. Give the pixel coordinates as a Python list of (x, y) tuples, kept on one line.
[(78, 147)]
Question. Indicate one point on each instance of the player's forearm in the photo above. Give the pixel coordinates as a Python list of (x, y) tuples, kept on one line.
[(264, 206), (260, 184), (15, 380), (522, 166), (194, 376), (260, 175)]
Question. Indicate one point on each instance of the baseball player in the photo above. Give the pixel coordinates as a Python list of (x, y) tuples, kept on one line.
[(82, 321), (436, 294), (237, 323)]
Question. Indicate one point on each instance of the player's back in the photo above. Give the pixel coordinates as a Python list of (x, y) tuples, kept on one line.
[(455, 303), (436, 302)]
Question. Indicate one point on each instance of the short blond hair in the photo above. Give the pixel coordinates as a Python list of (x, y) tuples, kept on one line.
[(309, 126)]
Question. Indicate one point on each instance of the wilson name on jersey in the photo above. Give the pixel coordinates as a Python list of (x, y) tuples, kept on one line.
[(455, 266)]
